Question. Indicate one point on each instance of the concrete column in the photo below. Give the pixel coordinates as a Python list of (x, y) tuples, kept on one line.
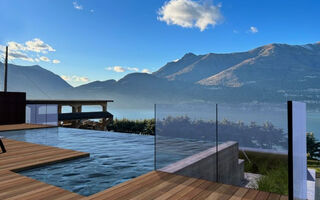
[(79, 108), (75, 123), (59, 109), (104, 121), (74, 109)]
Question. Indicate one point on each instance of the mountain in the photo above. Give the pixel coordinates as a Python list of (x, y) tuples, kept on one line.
[(38, 82), (141, 89), (272, 73), (192, 68), (278, 66)]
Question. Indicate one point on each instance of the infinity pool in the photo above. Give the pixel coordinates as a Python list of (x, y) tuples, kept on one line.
[(114, 158)]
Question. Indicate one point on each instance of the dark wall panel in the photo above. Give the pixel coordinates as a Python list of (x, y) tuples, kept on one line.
[(12, 108)]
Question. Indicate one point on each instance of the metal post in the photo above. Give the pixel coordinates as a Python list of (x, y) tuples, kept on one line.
[(155, 139), (217, 144), (290, 150), (6, 71)]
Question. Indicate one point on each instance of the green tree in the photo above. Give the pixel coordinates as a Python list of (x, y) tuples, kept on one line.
[(313, 146)]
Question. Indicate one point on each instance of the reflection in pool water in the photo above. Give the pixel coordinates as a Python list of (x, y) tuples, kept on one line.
[(114, 158)]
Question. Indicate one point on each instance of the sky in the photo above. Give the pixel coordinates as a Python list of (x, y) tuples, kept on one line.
[(88, 40)]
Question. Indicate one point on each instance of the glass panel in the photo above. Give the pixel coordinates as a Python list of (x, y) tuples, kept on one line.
[(42, 114), (255, 137), (41, 111), (299, 150), (30, 114), (52, 115), (185, 140)]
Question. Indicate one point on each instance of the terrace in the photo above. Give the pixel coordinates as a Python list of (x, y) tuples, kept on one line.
[(154, 185), (199, 152)]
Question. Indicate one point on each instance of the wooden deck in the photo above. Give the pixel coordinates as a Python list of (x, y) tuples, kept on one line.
[(23, 155), (16, 187), (15, 127), (154, 185), (160, 185)]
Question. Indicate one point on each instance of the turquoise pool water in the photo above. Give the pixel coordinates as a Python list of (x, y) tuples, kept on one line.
[(114, 158)]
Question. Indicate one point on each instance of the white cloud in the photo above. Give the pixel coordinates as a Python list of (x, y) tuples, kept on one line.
[(146, 71), (121, 69), (26, 51), (92, 11), (133, 69), (44, 59), (253, 29), (190, 13), (13, 54), (75, 78), (18, 55), (16, 46), (77, 6), (118, 69), (37, 45), (55, 61)]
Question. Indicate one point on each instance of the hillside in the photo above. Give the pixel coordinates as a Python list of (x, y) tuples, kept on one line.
[(271, 73), (38, 82), (276, 66)]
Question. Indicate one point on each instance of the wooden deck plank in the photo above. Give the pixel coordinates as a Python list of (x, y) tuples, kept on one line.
[(126, 189), (27, 155), (21, 190), (176, 189), (15, 127), (273, 196), (20, 187), (224, 192), (185, 190), (205, 193), (129, 194), (251, 194), (195, 191), (239, 194), (262, 195), (156, 189), (284, 197)]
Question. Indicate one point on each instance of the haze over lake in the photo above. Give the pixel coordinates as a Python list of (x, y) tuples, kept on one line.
[(313, 117)]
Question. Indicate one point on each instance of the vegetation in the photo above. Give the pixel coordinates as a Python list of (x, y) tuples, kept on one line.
[(313, 153), (145, 127), (273, 167), (265, 136), (262, 163), (314, 164), (276, 181), (313, 147)]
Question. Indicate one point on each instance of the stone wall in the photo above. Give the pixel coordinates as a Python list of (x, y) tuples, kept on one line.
[(203, 165)]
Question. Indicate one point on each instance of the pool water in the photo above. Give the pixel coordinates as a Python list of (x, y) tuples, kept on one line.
[(114, 158)]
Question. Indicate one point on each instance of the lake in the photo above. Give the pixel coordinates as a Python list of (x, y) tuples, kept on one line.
[(277, 118)]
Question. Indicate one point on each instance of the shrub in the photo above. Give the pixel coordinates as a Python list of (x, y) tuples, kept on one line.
[(276, 181)]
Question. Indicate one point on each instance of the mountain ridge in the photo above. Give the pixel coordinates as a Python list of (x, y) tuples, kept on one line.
[(270, 73)]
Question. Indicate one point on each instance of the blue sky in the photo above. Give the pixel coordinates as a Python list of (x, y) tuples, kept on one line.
[(99, 40)]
